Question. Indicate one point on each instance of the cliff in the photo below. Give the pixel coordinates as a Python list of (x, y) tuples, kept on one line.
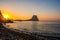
[(34, 18)]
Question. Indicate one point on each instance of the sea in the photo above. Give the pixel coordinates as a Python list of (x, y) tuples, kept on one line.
[(36, 26)]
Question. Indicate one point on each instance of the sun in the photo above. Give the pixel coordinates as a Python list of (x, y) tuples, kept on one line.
[(5, 16)]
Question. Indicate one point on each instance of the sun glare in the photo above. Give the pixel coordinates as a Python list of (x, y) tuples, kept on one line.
[(5, 16)]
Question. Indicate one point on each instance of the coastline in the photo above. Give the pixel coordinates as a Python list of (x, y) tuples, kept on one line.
[(17, 34)]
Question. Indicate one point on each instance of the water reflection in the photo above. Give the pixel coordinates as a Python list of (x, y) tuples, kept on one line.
[(34, 26)]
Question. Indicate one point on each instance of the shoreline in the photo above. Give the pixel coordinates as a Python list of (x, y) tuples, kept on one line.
[(15, 34)]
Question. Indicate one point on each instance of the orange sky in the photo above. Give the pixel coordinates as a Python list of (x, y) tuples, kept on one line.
[(23, 10), (14, 17)]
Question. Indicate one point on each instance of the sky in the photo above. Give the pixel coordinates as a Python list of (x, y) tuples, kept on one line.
[(25, 9)]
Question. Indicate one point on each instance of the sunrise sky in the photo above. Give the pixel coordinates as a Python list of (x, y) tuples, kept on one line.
[(25, 9)]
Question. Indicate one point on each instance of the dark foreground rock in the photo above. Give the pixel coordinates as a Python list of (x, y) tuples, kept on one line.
[(7, 34)]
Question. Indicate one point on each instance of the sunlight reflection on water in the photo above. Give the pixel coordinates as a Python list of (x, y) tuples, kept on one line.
[(35, 26)]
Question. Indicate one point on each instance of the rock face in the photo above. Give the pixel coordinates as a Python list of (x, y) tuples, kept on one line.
[(34, 18), (1, 17)]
